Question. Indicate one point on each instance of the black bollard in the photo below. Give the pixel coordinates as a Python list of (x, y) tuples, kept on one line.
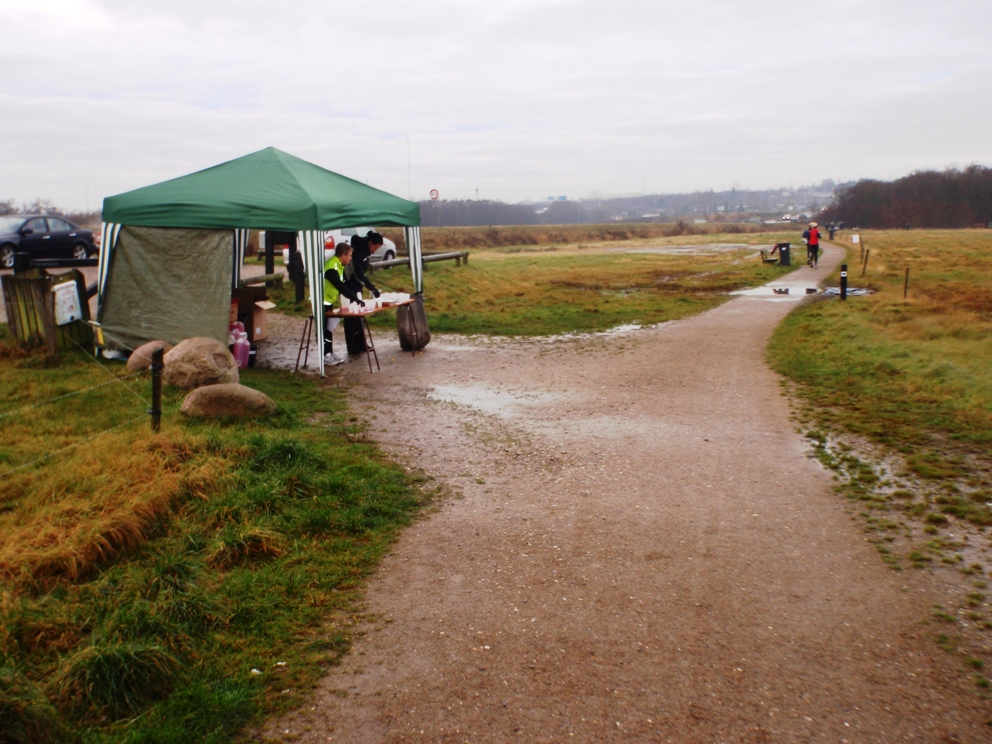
[(156, 370), (843, 281)]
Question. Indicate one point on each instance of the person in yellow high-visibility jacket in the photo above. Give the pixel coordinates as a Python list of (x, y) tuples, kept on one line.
[(334, 287)]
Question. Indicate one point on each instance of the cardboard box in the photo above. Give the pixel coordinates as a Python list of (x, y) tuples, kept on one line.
[(234, 310), (253, 305), (258, 316)]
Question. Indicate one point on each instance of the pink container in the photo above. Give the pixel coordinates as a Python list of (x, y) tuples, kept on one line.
[(237, 325), (242, 350)]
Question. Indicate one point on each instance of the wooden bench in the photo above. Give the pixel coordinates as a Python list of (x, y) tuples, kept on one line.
[(766, 258)]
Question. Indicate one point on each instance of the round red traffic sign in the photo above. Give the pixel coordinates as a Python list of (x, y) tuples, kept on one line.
[(434, 194)]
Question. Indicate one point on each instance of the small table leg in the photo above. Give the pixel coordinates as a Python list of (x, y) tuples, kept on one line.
[(370, 346), (307, 327)]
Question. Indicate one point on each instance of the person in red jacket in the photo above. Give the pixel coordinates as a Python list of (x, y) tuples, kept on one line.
[(812, 238)]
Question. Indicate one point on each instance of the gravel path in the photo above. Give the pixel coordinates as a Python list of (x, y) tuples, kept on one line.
[(637, 548)]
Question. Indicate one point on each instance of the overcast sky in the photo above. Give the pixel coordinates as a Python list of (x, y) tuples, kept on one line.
[(520, 99)]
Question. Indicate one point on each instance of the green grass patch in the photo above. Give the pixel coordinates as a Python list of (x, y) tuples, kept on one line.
[(144, 576), (914, 374), (530, 294), (532, 291)]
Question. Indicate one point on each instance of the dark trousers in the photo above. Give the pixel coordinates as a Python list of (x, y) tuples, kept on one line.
[(354, 335)]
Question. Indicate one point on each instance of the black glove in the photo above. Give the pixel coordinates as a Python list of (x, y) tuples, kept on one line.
[(375, 292)]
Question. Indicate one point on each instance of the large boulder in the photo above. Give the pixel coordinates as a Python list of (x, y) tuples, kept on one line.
[(227, 401), (141, 358), (196, 362)]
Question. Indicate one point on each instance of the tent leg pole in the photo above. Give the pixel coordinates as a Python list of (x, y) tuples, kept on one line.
[(370, 347), (307, 326)]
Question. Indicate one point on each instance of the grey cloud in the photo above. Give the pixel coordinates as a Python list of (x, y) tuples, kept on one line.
[(518, 99)]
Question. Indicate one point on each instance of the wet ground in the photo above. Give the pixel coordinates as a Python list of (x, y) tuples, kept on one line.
[(636, 547)]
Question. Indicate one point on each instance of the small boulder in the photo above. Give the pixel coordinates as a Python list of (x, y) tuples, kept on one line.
[(141, 358), (227, 401), (201, 361)]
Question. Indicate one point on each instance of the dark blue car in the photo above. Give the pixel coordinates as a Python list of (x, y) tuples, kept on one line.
[(42, 236)]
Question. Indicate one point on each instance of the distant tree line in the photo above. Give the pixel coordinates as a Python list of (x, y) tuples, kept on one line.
[(952, 198)]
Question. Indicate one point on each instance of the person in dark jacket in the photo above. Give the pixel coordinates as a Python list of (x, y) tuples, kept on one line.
[(357, 278)]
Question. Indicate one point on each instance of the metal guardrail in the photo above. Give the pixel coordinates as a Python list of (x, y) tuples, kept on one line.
[(457, 256), (23, 262)]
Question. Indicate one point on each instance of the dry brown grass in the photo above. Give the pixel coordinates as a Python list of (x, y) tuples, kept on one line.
[(92, 511)]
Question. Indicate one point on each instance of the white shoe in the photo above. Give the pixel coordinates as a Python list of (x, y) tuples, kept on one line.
[(333, 360)]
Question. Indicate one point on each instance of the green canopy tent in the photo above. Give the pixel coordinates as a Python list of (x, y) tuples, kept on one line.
[(170, 251)]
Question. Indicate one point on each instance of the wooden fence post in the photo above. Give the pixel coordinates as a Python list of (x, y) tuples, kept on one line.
[(156, 370)]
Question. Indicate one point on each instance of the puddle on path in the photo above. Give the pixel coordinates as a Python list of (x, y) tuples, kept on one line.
[(797, 291), (481, 398), (621, 425)]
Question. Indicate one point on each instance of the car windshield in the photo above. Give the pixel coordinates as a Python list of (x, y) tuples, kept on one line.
[(10, 224)]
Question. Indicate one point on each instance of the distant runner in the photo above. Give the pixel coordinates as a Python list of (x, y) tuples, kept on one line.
[(812, 238)]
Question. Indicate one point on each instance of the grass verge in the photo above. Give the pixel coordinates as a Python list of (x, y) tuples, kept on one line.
[(174, 587), (913, 374), (895, 395)]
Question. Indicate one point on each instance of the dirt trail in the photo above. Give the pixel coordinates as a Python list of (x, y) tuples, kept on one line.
[(641, 551)]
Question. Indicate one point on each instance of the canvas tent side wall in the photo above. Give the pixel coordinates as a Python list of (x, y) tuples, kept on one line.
[(139, 299)]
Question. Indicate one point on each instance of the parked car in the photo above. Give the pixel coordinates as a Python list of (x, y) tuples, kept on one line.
[(386, 252), (42, 236)]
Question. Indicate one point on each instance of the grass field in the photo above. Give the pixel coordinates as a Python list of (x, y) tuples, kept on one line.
[(896, 397), (548, 289), (173, 587), (914, 374), (510, 236)]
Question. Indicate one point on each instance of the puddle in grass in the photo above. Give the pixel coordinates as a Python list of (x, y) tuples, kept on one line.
[(690, 249)]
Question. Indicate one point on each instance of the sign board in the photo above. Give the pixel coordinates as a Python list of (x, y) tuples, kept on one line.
[(434, 194), (68, 308), (855, 238)]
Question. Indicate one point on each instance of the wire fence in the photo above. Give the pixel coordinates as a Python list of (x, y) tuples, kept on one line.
[(115, 380), (37, 460), (28, 407)]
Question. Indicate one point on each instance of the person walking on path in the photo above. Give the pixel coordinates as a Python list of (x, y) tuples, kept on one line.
[(812, 238)]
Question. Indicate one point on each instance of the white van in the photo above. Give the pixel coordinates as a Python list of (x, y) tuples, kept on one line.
[(386, 252)]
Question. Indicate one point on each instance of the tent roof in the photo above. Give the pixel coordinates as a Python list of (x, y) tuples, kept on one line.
[(268, 189)]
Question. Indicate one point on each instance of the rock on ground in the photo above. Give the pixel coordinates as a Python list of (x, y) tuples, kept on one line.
[(227, 400), (196, 362), (141, 358)]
